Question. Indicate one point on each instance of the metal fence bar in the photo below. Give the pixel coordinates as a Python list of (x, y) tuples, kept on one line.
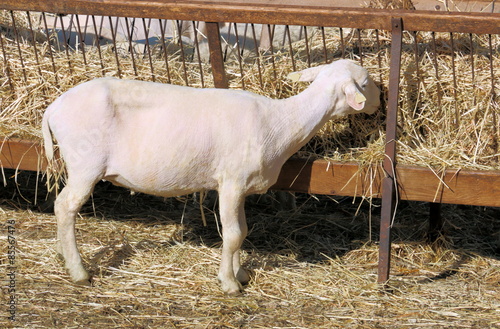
[(216, 58), (96, 41), (33, 43), (18, 42), (147, 47), (130, 45), (164, 47), (6, 64), (81, 36), (239, 57), (258, 53), (113, 35), (389, 182), (178, 25), (197, 51), (66, 45)]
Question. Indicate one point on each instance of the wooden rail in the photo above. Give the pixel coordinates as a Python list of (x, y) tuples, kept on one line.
[(414, 183), (266, 12)]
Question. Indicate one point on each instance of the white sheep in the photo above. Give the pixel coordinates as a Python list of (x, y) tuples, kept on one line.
[(171, 140)]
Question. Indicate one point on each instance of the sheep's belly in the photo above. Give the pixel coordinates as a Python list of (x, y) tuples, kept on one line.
[(161, 187)]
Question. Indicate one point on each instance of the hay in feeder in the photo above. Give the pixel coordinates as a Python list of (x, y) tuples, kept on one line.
[(449, 109)]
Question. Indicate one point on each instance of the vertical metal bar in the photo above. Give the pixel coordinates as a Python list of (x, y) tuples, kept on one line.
[(113, 35), (51, 55), (379, 57), (290, 47), (323, 36), (131, 46), (239, 57), (436, 69), (146, 33), (244, 40), (165, 53), (472, 69), (68, 28), (342, 44), (308, 51), (417, 56), (496, 133), (66, 45), (183, 56), (271, 40), (18, 45), (490, 46), (416, 108), (33, 43), (455, 92), (360, 47), (55, 33), (6, 64), (435, 222), (82, 41), (227, 42), (98, 44), (389, 182), (216, 59), (257, 51), (85, 27), (197, 45)]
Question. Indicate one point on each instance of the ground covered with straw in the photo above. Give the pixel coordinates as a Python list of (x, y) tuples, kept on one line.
[(154, 265)]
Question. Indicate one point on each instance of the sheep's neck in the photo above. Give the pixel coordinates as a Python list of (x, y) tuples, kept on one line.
[(303, 115)]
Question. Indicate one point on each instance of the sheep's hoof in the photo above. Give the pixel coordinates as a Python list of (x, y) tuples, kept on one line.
[(243, 276), (234, 293), (231, 288), (80, 276), (85, 283)]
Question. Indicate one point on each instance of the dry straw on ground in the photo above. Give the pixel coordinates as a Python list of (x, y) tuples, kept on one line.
[(155, 266)]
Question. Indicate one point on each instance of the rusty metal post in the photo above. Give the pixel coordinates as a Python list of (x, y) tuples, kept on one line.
[(216, 59), (389, 182), (436, 222)]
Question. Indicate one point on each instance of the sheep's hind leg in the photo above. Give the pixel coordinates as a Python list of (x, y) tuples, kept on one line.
[(66, 207), (239, 272), (234, 231)]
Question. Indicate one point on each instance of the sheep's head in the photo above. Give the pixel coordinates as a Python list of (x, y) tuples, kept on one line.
[(358, 92)]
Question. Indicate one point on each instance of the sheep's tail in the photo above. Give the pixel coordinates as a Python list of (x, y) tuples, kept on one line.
[(48, 144), (54, 171)]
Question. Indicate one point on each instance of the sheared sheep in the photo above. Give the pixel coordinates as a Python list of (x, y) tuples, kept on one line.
[(171, 140)]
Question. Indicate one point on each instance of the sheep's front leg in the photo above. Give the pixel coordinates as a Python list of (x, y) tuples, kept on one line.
[(234, 231)]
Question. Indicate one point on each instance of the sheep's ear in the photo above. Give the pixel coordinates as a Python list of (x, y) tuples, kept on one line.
[(307, 75), (354, 97)]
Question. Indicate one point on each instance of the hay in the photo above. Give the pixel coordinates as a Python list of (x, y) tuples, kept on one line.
[(444, 122), (313, 268)]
